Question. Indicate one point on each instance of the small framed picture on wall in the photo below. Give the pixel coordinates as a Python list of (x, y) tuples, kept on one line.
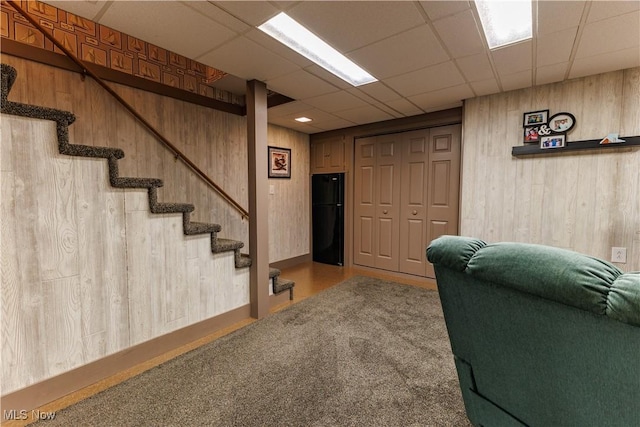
[(553, 141), (279, 162), (531, 134), (536, 118)]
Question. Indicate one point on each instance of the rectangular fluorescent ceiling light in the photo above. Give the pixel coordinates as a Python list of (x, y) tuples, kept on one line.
[(290, 33), (505, 22)]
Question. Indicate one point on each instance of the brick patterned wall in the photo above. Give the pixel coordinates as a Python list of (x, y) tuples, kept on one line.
[(99, 44)]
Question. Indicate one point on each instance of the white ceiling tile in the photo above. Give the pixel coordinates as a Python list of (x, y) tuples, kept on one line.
[(218, 14), (85, 9), (314, 114), (321, 120), (379, 91), (442, 98), (427, 79), (355, 91), (438, 9), (485, 87), (290, 108), (253, 13), (300, 85), (619, 60), (392, 112), (328, 77), (555, 47), (460, 34), (475, 67), (337, 123), (364, 115), (551, 73), (336, 101), (558, 15), (513, 59), (607, 9), (347, 25), (255, 62), (164, 25), (404, 106), (516, 81), (307, 128), (620, 32), (408, 51)]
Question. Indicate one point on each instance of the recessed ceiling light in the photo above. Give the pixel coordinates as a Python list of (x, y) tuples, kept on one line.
[(303, 119), (292, 34), (505, 22)]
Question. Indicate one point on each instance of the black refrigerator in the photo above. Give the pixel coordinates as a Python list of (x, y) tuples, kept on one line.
[(327, 217)]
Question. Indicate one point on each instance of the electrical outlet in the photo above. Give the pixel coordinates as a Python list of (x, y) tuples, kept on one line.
[(619, 255)]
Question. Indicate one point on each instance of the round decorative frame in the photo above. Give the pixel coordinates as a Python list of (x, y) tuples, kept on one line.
[(561, 122)]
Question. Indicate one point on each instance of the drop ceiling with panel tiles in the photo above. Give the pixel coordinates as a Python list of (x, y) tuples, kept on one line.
[(427, 55)]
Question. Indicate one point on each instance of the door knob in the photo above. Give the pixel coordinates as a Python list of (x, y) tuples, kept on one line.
[(415, 212), (385, 211)]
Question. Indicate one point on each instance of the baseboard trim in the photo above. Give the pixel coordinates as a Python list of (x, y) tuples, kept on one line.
[(409, 279), (37, 395), (291, 262), (276, 300)]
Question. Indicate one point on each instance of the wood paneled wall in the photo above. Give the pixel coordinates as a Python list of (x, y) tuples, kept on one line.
[(584, 201), (215, 141), (87, 270), (289, 205)]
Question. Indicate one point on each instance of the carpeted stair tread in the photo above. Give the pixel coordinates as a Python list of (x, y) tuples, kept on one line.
[(166, 207), (126, 182), (281, 285), (64, 118), (223, 245), (242, 260), (273, 272), (90, 151), (193, 228), (163, 208)]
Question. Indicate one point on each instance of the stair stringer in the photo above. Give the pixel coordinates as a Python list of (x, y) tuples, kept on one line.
[(87, 277)]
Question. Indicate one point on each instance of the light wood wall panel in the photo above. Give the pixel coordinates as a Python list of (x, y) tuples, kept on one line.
[(584, 201), (213, 140), (86, 269), (289, 205)]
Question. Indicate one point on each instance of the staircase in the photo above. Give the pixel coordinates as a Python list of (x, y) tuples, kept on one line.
[(63, 119), (281, 285)]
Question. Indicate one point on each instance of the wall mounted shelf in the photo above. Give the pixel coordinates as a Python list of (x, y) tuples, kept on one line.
[(591, 144)]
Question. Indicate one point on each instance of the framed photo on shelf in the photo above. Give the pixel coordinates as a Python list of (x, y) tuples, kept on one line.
[(535, 118), (562, 122), (553, 141), (531, 134), (279, 162)]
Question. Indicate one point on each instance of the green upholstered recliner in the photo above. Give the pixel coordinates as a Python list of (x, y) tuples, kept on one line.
[(541, 336)]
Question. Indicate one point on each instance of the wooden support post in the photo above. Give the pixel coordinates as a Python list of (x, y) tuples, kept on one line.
[(258, 197)]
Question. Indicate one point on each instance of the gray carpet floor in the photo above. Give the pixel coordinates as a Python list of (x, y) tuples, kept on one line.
[(364, 353)]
